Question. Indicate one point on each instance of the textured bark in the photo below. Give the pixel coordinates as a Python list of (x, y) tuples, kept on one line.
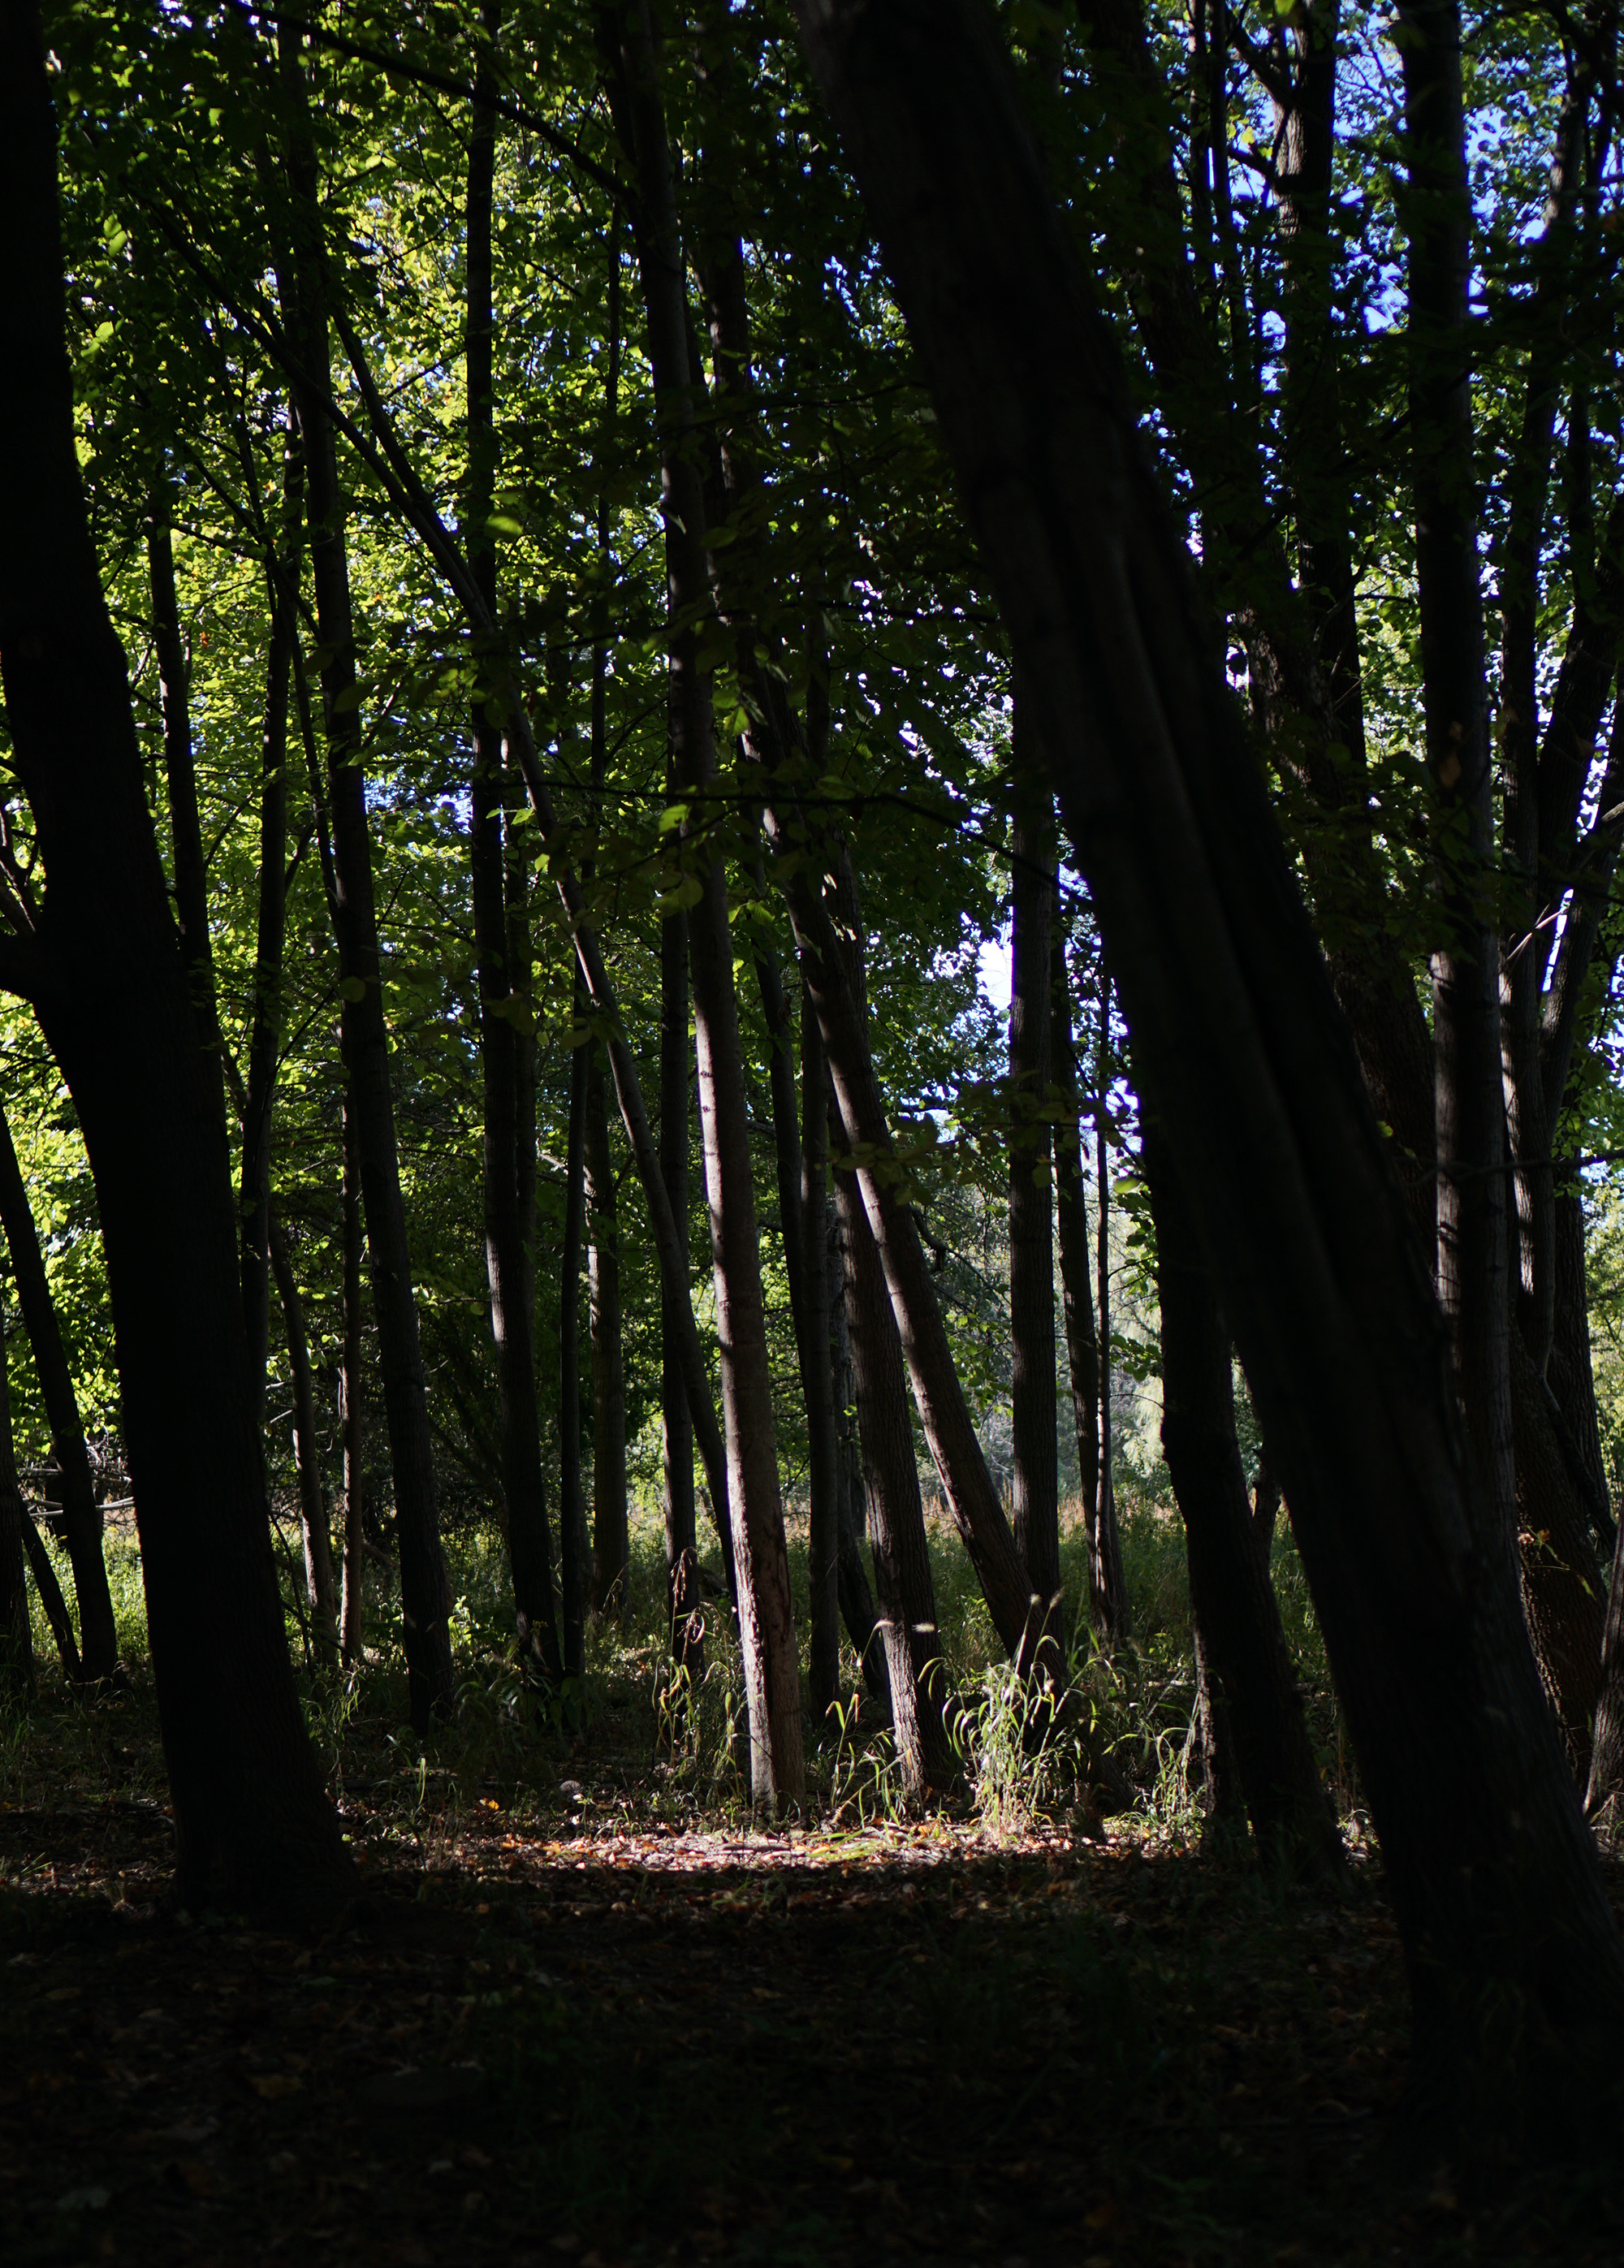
[(314, 1527), (1035, 1479), (1232, 1600), (81, 1513), (425, 1590), (611, 1539), (352, 1613), (1071, 1223), (250, 1820), (508, 1149), (816, 1348), (15, 1630), (1494, 1878), (772, 1680), (896, 1519)]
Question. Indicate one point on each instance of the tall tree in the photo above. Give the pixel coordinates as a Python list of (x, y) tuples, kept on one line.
[(1035, 1480)]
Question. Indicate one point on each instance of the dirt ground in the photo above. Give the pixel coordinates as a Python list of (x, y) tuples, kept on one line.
[(618, 2043)]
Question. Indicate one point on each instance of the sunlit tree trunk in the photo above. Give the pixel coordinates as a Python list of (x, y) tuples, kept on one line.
[(1072, 1224)]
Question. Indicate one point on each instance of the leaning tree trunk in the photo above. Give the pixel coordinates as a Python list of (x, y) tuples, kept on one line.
[(1495, 1881), (110, 989), (1232, 1600), (1035, 1482), (425, 1589), (772, 1677), (81, 1513)]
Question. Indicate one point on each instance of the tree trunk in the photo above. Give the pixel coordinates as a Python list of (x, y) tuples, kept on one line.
[(1107, 1587), (81, 1514), (1035, 1480), (772, 1677), (573, 1555), (916, 1670), (1232, 1600), (684, 1597), (611, 1540), (498, 927), (1071, 1221), (1248, 1062), (352, 1618), (425, 1590), (1472, 1257), (815, 1347), (1562, 1595), (313, 1524), (112, 993), (265, 1024), (857, 1597), (16, 1630)]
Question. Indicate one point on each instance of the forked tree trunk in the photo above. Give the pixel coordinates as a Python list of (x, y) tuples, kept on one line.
[(81, 1513), (425, 1590), (1515, 1963), (1232, 1600), (250, 1819), (1035, 1480), (1071, 1223), (314, 1526), (352, 1617), (610, 1538), (509, 1156), (16, 1629), (772, 1677)]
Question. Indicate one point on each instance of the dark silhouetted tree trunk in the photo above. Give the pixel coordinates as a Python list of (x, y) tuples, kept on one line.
[(1248, 1062), (313, 1524), (498, 928), (856, 1596), (81, 1514), (352, 1617), (113, 997), (1035, 1480), (425, 1591), (1231, 1599)]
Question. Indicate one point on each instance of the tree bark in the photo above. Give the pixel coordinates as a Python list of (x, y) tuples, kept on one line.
[(313, 1524), (81, 1513), (1232, 1600), (508, 1157), (574, 1557), (915, 1671), (1071, 1222), (250, 1819), (425, 1590), (610, 1538), (772, 1677), (1035, 1479), (1495, 1882), (815, 1347), (684, 1598), (352, 1617)]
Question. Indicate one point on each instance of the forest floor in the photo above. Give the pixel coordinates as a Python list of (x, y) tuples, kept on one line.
[(587, 2032), (584, 2013)]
